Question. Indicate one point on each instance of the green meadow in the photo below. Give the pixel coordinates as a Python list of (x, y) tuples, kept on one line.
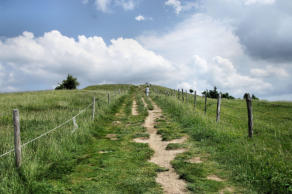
[(262, 163), (100, 156)]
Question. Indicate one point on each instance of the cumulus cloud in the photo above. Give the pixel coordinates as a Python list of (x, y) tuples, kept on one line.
[(27, 61), (105, 5), (207, 53), (179, 6), (126, 4), (264, 27), (139, 18), (269, 71)]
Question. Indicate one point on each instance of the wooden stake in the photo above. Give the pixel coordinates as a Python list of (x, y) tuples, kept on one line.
[(93, 108), (108, 98), (249, 113), (182, 95), (218, 108), (205, 103), (17, 140), (195, 99)]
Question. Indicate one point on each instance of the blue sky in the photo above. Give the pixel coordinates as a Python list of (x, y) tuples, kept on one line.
[(74, 17), (239, 46)]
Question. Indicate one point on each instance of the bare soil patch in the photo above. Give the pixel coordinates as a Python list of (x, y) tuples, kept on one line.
[(112, 136), (196, 160), (214, 178), (169, 180)]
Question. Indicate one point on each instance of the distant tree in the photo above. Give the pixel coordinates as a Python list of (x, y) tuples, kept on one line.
[(68, 84), (191, 91), (254, 97), (214, 94)]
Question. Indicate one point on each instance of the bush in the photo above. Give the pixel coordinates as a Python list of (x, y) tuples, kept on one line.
[(69, 84)]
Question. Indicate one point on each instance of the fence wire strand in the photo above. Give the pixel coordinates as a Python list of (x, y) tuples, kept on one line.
[(36, 138)]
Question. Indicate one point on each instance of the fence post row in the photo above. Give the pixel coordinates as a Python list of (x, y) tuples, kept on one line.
[(195, 99), (205, 103), (17, 140), (93, 108), (218, 108), (182, 94), (249, 113)]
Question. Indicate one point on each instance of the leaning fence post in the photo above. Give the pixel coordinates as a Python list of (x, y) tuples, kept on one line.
[(218, 107), (93, 108), (195, 99), (17, 140), (205, 103), (108, 98), (249, 113)]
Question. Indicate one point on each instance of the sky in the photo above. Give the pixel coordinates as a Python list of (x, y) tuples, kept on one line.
[(238, 46)]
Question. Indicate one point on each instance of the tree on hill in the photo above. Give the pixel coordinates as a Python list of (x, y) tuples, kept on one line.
[(214, 94), (191, 91), (68, 84)]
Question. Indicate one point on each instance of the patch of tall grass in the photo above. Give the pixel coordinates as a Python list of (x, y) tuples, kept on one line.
[(40, 112), (263, 162)]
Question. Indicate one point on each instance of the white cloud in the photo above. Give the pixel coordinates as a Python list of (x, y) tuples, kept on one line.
[(269, 71), (103, 5), (139, 18), (106, 5), (179, 6), (40, 62), (207, 53), (249, 2), (176, 4), (126, 4)]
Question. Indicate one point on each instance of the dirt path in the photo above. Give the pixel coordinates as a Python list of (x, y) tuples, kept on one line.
[(134, 108), (169, 179)]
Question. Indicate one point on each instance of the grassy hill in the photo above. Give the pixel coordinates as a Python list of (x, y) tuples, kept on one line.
[(39, 113), (264, 162), (82, 160)]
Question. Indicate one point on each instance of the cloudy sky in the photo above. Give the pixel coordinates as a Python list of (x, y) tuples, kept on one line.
[(237, 45)]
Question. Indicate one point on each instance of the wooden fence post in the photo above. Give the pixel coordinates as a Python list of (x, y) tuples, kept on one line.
[(93, 108), (108, 98), (178, 93), (182, 95), (195, 99), (218, 108), (17, 140), (205, 103), (249, 113)]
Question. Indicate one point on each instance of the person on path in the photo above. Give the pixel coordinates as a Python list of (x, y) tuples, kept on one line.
[(147, 91)]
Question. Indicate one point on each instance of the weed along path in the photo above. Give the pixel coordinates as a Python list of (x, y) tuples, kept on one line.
[(168, 179)]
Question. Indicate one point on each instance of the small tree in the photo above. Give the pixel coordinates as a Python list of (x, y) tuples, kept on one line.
[(254, 97), (69, 84), (191, 91)]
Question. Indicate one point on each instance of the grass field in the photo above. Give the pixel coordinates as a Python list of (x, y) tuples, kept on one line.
[(101, 157), (263, 163), (40, 112)]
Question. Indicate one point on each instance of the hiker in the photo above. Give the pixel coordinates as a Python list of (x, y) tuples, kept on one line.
[(147, 91)]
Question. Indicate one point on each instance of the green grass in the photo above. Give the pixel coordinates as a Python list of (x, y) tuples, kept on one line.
[(40, 112), (121, 168), (263, 163)]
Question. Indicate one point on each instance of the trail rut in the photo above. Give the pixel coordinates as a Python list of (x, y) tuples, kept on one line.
[(169, 179)]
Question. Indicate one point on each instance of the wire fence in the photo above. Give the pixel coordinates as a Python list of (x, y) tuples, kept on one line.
[(106, 98)]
